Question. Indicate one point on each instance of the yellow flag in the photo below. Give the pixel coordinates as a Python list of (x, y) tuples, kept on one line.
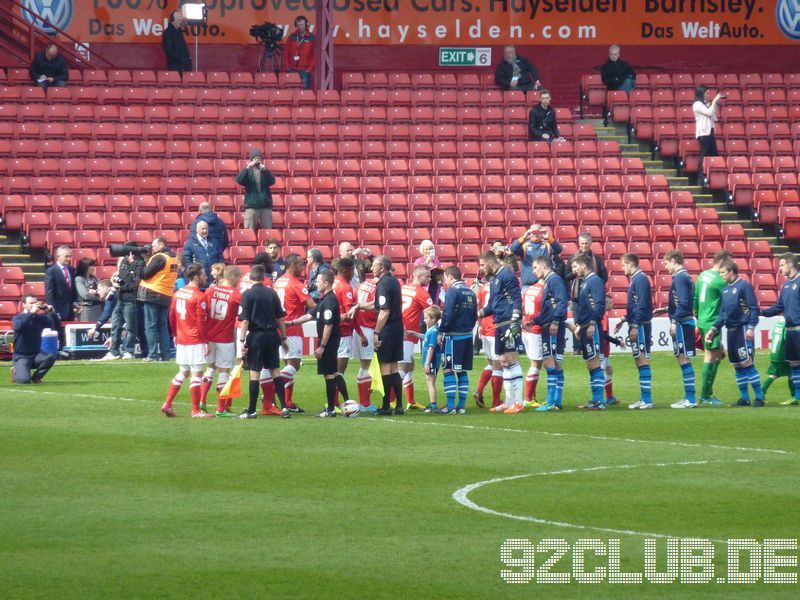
[(233, 387), (375, 373)]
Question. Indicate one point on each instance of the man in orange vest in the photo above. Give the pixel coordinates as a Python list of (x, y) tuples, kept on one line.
[(155, 294)]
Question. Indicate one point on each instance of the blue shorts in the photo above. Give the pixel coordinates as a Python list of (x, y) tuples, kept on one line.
[(590, 346), (553, 345), (739, 349), (791, 348), (457, 354), (644, 337), (683, 341), (510, 344)]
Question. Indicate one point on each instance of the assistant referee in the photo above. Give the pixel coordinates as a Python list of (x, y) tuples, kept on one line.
[(389, 333), (262, 332)]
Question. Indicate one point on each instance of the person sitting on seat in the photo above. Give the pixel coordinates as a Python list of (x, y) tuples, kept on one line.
[(516, 72), (49, 68)]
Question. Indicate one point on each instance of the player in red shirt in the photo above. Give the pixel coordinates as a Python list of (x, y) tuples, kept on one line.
[(532, 338), (344, 269), (187, 319), (222, 301), (494, 369), (415, 300), (364, 317), (295, 299)]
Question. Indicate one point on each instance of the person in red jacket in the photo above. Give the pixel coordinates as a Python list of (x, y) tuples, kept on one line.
[(299, 56)]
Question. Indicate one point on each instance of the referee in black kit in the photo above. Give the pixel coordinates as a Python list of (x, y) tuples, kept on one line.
[(262, 332), (389, 333)]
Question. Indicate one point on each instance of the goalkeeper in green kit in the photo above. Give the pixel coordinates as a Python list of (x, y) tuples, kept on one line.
[(778, 366), (707, 301)]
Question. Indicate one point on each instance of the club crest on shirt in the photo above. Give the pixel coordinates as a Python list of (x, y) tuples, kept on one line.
[(328, 314)]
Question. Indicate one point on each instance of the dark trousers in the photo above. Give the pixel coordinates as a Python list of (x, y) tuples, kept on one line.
[(125, 312), (708, 147), (39, 364)]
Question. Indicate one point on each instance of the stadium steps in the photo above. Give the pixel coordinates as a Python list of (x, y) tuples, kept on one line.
[(677, 182), (12, 255)]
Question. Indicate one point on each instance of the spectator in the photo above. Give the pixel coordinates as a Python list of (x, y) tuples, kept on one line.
[(200, 249), (175, 48), (533, 243), (346, 250), (88, 295), (49, 69), (504, 255), (316, 264), (516, 72), (129, 275), (59, 285), (28, 327), (155, 293), (217, 230), (109, 291), (616, 73), (256, 179), (427, 256), (299, 56), (705, 115), (542, 124), (598, 265), (273, 247)]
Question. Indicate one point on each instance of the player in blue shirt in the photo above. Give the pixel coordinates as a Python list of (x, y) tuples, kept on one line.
[(682, 324), (739, 313), (505, 306), (788, 305), (588, 314), (639, 317), (456, 334), (431, 353), (552, 318)]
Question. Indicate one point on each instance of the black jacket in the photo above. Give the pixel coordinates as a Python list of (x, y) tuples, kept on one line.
[(614, 73), (528, 75), (58, 294), (598, 266), (130, 275), (56, 68), (543, 120), (176, 50)]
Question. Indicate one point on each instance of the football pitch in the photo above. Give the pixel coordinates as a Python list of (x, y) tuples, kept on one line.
[(103, 497)]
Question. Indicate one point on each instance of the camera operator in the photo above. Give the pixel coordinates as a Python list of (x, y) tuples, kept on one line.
[(256, 179), (126, 282), (28, 326), (155, 293), (705, 115), (299, 56)]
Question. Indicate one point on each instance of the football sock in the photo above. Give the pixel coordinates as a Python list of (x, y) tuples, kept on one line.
[(364, 381), (497, 386), (707, 380), (463, 388), (221, 381), (387, 392), (688, 382), (795, 375), (194, 390), (741, 382), (486, 376), (208, 380), (268, 389), (792, 386), (254, 386), (560, 387), (280, 390), (174, 388), (769, 380), (287, 373), (397, 388), (755, 382), (531, 379), (609, 385), (408, 385), (646, 383), (552, 383), (596, 382), (450, 386), (513, 384), (341, 386), (330, 391)]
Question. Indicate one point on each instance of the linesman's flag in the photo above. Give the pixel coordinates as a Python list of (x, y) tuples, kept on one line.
[(375, 373), (233, 387)]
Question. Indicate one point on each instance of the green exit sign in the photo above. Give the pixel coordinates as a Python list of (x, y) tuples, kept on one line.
[(465, 57)]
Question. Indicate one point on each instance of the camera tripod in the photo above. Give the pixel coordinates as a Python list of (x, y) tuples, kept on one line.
[(271, 60)]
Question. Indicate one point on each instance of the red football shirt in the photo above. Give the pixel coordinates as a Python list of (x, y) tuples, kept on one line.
[(415, 299), (223, 308), (346, 297), (532, 304), (487, 323), (187, 316), (294, 295), (365, 294), (245, 283)]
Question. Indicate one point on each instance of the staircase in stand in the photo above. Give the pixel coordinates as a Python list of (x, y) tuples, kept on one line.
[(13, 255)]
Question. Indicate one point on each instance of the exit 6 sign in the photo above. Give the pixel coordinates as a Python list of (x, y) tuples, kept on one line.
[(465, 57)]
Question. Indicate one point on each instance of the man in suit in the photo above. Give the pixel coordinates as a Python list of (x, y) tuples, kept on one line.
[(175, 48), (59, 285), (199, 248)]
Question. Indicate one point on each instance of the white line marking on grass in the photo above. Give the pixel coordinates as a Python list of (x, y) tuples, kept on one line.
[(462, 497), (74, 395), (589, 436)]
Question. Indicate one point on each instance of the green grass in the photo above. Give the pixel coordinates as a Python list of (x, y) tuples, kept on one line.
[(103, 497)]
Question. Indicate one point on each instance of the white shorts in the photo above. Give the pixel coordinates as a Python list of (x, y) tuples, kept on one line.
[(408, 351), (533, 345), (345, 347), (605, 362), (191, 356), (488, 347), (222, 354), (364, 352), (295, 347)]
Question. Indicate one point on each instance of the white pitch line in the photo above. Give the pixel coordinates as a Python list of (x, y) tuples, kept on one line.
[(462, 497), (74, 395), (588, 436)]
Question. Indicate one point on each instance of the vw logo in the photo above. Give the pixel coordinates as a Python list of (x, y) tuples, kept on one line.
[(44, 13), (787, 13)]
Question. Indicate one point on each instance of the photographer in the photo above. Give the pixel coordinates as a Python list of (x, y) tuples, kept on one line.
[(155, 293), (533, 243), (299, 55), (705, 115), (256, 179), (28, 326), (126, 282)]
